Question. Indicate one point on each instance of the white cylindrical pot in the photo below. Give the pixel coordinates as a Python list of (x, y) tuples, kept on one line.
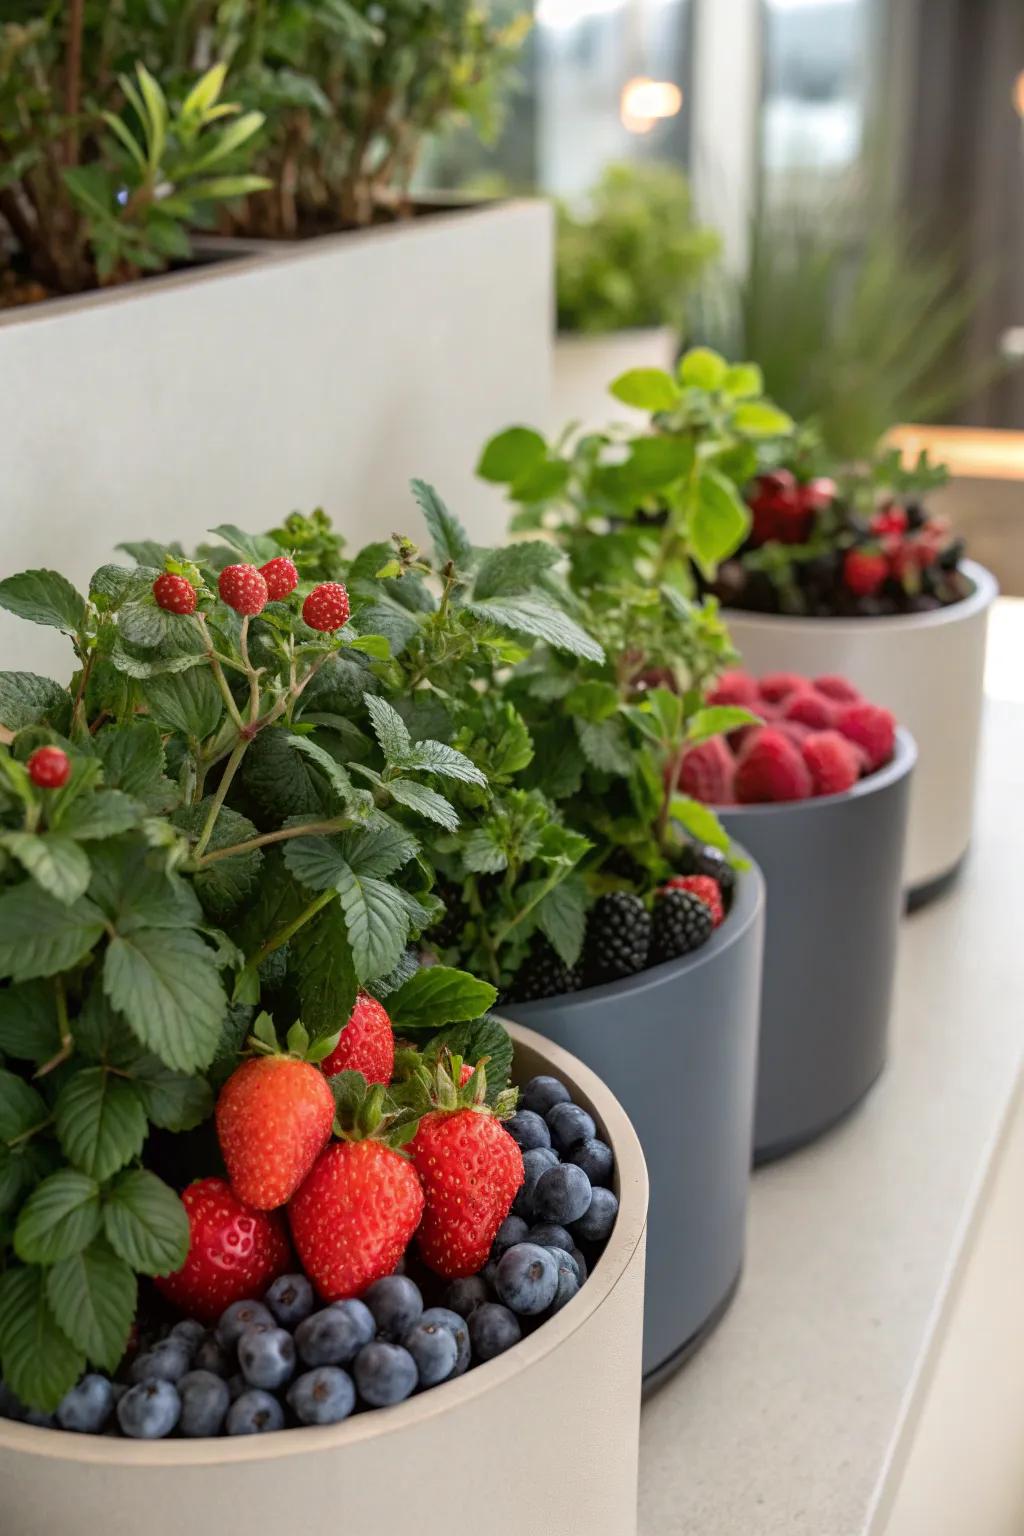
[(584, 367), (556, 1419), (928, 669)]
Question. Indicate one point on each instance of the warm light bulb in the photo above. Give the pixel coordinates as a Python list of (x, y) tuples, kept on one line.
[(644, 102), (1018, 94)]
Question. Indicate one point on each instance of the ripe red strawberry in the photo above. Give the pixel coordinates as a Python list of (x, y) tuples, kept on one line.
[(808, 707), (774, 687), (174, 594), (49, 767), (837, 689), (326, 607), (770, 769), (707, 772), (243, 588), (833, 761), (354, 1216), (280, 576), (705, 888), (864, 571), (889, 519), (735, 687), (274, 1115), (234, 1252), (871, 728), (366, 1044)]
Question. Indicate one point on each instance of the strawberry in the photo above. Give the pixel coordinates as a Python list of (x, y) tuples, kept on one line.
[(833, 761), (770, 769), (174, 594), (809, 707), (871, 728), (470, 1168), (889, 519), (243, 588), (837, 689), (326, 607), (274, 1115), (735, 687), (280, 576), (49, 767), (233, 1252), (706, 772), (774, 687), (864, 571), (705, 888), (366, 1043)]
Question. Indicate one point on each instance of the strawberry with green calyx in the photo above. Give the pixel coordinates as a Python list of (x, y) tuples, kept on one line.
[(274, 1115), (469, 1165), (356, 1212), (366, 1043)]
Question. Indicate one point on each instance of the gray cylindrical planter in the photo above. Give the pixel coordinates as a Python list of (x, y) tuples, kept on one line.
[(678, 1047), (834, 868)]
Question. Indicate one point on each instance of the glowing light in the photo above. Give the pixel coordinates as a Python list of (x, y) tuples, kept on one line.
[(560, 15), (645, 102), (1018, 94)]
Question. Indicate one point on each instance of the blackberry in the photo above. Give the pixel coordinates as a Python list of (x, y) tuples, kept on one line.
[(448, 929), (618, 937), (543, 974), (621, 863), (682, 923), (712, 861), (916, 515), (951, 557)]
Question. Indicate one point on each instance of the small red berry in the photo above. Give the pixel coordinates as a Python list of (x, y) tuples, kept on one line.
[(49, 768), (818, 494), (864, 572), (280, 576), (326, 607), (890, 519), (243, 588), (705, 888), (174, 594)]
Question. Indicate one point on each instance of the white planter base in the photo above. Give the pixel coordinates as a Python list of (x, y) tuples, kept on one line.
[(584, 366)]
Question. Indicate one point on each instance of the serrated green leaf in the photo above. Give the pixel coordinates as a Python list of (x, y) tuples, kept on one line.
[(648, 389), (377, 922), (321, 961), (13, 1173), (188, 702), (533, 616), (447, 535), (135, 890), (482, 853), (316, 862), (593, 700), (93, 1296), (436, 757), (474, 1041), (376, 646), (176, 1101), (21, 1108), (55, 862), (379, 849), (113, 585), (425, 801), (166, 984), (28, 699), (335, 774), (509, 453), (40, 935), (257, 549), (439, 995), (39, 1362), (44, 597), (106, 813), (389, 728), (701, 368), (605, 745), (699, 820), (146, 1223), (562, 915), (60, 1217), (100, 1122), (514, 569), (225, 884), (283, 782), (132, 757), (29, 1030)]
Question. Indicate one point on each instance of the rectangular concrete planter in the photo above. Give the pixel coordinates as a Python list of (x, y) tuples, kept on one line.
[(928, 668), (833, 867), (325, 374), (584, 366), (554, 1419), (678, 1046)]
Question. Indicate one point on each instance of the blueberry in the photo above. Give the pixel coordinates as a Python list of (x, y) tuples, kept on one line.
[(464, 1296), (434, 1350), (541, 1094), (290, 1298), (237, 1384), (211, 1356), (563, 1194), (528, 1129), (191, 1333), (324, 1396), (492, 1330), (266, 1356), (535, 1162), (240, 1316), (40, 1420), (567, 1124), (512, 1230), (396, 1304), (331, 1337), (149, 1410), (359, 1314), (87, 1407), (254, 1413), (596, 1223), (594, 1157), (205, 1399), (11, 1407), (568, 1278), (456, 1326), (385, 1373), (581, 1263), (550, 1236), (166, 1361), (528, 1279)]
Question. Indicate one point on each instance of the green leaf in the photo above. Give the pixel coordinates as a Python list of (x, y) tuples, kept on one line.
[(28, 1021), (321, 959), (283, 782), (13, 1172), (176, 1101), (136, 891), (377, 922), (60, 1217), (316, 862), (482, 852), (515, 568), (447, 535), (146, 1223), (699, 820), (605, 745), (27, 699), (21, 1108), (106, 813), (700, 368), (376, 646), (148, 552), (132, 757), (39, 1363), (509, 453), (743, 381), (113, 585), (718, 719), (188, 702), (757, 418), (719, 521), (44, 597), (225, 884), (593, 700), (256, 550), (336, 776), (101, 1124), (389, 728), (55, 862), (533, 616), (655, 462), (40, 935), (93, 1296), (380, 849), (541, 481), (648, 389), (425, 801), (562, 915), (166, 983), (475, 1040), (436, 757), (439, 995)]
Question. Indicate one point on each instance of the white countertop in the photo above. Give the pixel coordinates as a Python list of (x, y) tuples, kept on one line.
[(785, 1422)]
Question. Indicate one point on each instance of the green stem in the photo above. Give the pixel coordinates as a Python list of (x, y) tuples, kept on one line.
[(231, 768), (312, 829), (290, 929), (502, 934), (218, 673)]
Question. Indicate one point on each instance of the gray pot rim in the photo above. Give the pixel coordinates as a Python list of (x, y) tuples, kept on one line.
[(900, 764), (985, 591), (746, 908)]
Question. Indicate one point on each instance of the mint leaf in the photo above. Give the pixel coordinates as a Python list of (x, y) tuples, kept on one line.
[(27, 699), (605, 746), (509, 453), (106, 813), (40, 935), (377, 922), (743, 381), (21, 1108), (532, 616), (166, 983), (176, 1101), (427, 802), (54, 861), (100, 1122), (146, 1223), (718, 522), (322, 964), (482, 852), (701, 368), (188, 702), (389, 728), (757, 418), (716, 720), (44, 597), (515, 568), (28, 1022), (93, 1296), (132, 757), (438, 995), (699, 820), (447, 535), (562, 917), (436, 757), (648, 389), (39, 1363), (60, 1217), (475, 1040)]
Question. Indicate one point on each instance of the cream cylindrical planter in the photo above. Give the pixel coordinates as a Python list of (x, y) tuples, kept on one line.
[(678, 1046), (834, 871), (584, 367), (555, 1418), (928, 669)]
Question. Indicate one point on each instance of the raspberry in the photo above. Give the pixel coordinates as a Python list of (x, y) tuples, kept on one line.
[(892, 518), (682, 923), (837, 689), (707, 771), (49, 767), (243, 588), (770, 769), (174, 594), (326, 607), (833, 761), (776, 686), (704, 888), (871, 728), (794, 730), (810, 708), (864, 572), (280, 576), (734, 688)]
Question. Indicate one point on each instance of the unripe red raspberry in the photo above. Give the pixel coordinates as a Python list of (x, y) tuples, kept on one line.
[(243, 588), (280, 576), (174, 594), (326, 607), (49, 767)]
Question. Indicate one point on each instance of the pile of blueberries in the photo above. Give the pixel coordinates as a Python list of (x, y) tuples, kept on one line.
[(282, 1362)]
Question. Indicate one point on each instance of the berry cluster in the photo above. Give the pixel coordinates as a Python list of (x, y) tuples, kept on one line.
[(821, 736), (248, 589)]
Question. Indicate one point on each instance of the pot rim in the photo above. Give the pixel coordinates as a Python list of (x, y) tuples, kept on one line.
[(627, 1236), (984, 594), (898, 767)]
